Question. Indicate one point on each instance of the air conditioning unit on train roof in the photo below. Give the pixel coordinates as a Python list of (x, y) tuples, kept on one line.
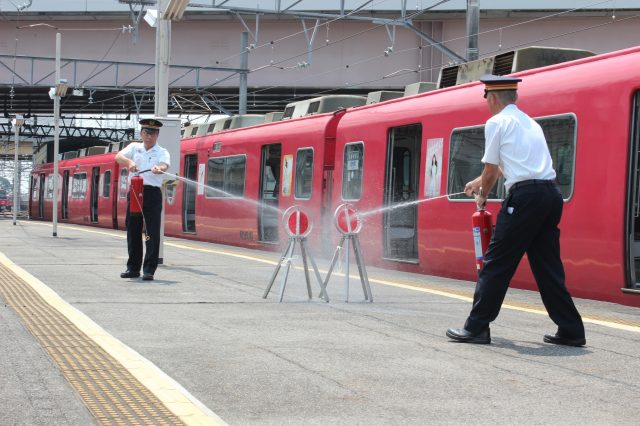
[(321, 105), (381, 96), (235, 122), (69, 155), (270, 117), (419, 87), (95, 150), (508, 63), (115, 146)]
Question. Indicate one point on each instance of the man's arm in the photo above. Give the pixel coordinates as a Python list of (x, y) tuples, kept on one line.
[(159, 168), (126, 162), (487, 180)]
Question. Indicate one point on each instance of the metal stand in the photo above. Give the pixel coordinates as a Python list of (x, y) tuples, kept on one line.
[(306, 258), (357, 251)]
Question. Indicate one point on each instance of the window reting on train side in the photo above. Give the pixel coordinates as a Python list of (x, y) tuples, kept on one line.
[(106, 184), (303, 182), (352, 171), (122, 190), (466, 149), (79, 185), (226, 176)]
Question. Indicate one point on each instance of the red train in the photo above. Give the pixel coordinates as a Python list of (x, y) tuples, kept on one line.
[(401, 151), (6, 203)]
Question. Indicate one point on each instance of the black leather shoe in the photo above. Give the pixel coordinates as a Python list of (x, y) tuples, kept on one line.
[(147, 277), (129, 274), (464, 336), (557, 339)]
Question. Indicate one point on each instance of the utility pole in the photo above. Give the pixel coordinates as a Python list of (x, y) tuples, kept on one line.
[(163, 31), (16, 169), (162, 91), (56, 136), (473, 28), (244, 64)]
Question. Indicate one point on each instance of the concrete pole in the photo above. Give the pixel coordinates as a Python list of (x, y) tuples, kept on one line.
[(163, 35), (16, 169), (473, 28), (244, 64), (163, 44), (56, 137)]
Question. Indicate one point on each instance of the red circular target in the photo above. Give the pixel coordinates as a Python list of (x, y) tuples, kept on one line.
[(347, 219), (296, 222)]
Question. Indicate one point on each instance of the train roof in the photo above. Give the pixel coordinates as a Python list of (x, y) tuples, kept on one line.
[(620, 54)]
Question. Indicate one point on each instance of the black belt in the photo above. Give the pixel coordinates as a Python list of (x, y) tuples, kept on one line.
[(523, 183)]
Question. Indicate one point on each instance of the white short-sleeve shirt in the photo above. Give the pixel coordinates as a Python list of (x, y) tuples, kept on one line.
[(516, 143), (145, 159)]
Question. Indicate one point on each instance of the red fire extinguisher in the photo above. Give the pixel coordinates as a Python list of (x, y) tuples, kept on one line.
[(482, 228), (135, 195)]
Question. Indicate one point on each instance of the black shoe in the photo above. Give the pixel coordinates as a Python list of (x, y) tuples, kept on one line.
[(464, 336), (557, 339), (129, 274), (147, 277)]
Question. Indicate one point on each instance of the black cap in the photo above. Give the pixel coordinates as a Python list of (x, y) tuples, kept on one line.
[(498, 82), (150, 123)]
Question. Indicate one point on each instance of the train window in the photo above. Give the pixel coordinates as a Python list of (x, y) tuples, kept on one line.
[(122, 189), (560, 132), (106, 184), (353, 162), (34, 186), (79, 185), (49, 184), (467, 149), (225, 176), (465, 152), (304, 173)]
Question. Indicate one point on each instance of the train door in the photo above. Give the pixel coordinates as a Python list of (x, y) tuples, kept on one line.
[(65, 195), (268, 215), (189, 194), (95, 185), (41, 197), (633, 201), (401, 188)]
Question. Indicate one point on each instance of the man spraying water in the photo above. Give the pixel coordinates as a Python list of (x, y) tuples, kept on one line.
[(527, 223)]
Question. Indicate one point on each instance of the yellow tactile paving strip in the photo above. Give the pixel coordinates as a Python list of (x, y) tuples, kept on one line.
[(117, 385)]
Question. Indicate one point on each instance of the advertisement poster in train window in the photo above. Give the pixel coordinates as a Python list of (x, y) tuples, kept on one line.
[(287, 172), (433, 167), (201, 170)]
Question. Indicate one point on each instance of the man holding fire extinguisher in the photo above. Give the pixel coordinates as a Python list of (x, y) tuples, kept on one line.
[(144, 207), (515, 147)]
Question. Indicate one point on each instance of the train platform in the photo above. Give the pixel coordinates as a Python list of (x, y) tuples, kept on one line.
[(199, 344)]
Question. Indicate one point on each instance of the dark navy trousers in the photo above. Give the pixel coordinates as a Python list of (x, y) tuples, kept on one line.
[(152, 215), (527, 223)]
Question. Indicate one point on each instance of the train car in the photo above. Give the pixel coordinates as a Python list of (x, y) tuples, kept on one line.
[(6, 202), (88, 191), (414, 149), (247, 177)]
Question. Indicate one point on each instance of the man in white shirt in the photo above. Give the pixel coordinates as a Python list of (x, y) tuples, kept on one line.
[(153, 160), (528, 221)]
